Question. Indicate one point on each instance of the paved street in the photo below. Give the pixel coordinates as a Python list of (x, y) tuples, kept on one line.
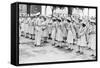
[(28, 53)]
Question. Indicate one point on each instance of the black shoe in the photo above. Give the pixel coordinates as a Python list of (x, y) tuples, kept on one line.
[(79, 52), (69, 49), (92, 55), (89, 48), (45, 42)]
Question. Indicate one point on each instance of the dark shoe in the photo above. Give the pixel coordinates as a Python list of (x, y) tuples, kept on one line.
[(79, 52)]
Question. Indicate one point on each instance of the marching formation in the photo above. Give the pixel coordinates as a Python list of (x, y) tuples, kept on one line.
[(69, 30)]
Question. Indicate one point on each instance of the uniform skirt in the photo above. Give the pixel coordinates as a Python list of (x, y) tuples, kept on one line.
[(70, 37), (59, 35), (82, 41), (92, 41)]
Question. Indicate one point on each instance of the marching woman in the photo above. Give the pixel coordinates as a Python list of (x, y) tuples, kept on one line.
[(92, 39), (75, 28), (82, 37), (38, 33), (33, 25), (27, 29), (44, 30), (30, 27), (92, 36), (26, 26), (73, 32), (53, 33), (21, 25), (70, 36), (64, 30), (59, 34)]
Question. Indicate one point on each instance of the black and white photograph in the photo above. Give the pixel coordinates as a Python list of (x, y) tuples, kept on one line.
[(55, 33)]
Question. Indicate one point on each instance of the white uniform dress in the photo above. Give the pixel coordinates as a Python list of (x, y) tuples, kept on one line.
[(31, 26), (45, 31), (21, 23), (92, 41), (70, 34), (64, 31), (38, 35), (82, 39), (92, 38), (25, 26), (59, 34), (53, 34)]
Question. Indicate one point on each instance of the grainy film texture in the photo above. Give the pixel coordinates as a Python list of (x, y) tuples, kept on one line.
[(56, 33)]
